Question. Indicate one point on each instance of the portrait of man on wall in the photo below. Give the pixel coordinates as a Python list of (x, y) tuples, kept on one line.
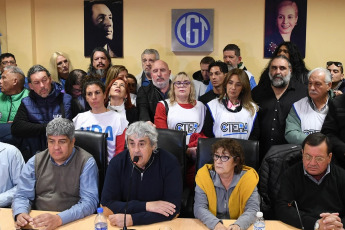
[(103, 26), (285, 20)]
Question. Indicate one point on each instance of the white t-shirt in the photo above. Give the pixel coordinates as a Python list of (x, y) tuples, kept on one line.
[(231, 124), (109, 122), (189, 120)]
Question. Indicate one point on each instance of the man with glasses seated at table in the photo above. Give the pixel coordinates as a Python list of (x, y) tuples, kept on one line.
[(315, 186), (62, 178), (338, 83)]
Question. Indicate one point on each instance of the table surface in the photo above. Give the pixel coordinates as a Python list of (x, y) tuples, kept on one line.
[(7, 223)]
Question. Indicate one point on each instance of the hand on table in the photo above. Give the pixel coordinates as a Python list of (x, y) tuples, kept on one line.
[(220, 226), (162, 207), (47, 220), (118, 220), (22, 220), (234, 227), (330, 221)]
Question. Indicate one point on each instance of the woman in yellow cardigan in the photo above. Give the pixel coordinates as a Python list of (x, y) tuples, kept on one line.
[(226, 189)]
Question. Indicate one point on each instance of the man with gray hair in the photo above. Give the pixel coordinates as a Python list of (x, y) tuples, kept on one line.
[(150, 95), (12, 92), (143, 181), (62, 178), (44, 103), (307, 115), (148, 57), (275, 102)]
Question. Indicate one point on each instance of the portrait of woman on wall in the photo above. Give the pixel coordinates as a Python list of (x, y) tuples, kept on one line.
[(285, 20)]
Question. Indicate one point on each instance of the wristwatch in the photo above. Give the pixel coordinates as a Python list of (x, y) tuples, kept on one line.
[(317, 225)]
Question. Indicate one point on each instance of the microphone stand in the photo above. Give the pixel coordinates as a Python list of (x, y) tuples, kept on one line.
[(299, 216), (135, 160)]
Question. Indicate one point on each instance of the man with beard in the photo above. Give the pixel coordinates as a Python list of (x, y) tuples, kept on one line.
[(100, 63), (275, 102), (307, 115), (149, 96)]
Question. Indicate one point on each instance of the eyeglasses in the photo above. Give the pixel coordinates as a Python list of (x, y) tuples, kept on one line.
[(222, 158), (307, 157), (8, 62), (181, 83), (336, 63)]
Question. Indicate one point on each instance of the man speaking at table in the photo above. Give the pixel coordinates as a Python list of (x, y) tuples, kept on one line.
[(149, 190), (62, 178)]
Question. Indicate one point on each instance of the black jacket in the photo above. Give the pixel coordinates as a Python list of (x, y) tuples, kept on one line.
[(147, 99), (276, 161), (334, 128)]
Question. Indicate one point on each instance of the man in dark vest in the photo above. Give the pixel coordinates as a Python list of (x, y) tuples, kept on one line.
[(62, 178), (44, 103)]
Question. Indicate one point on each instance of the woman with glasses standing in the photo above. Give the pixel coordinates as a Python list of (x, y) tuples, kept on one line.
[(233, 114), (181, 111), (226, 189)]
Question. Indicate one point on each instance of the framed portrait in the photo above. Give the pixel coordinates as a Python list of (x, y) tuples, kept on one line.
[(285, 20), (103, 26)]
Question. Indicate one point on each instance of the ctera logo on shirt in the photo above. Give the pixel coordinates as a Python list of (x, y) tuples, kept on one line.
[(189, 127), (233, 128)]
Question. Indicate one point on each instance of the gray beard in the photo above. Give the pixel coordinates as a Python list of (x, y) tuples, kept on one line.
[(279, 81), (100, 73), (160, 85)]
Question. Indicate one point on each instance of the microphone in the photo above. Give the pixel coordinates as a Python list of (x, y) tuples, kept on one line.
[(299, 216), (135, 161)]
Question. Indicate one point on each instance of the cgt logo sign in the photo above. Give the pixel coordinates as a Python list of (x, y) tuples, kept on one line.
[(192, 30)]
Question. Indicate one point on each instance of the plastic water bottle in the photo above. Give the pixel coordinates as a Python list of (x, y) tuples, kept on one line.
[(259, 223), (100, 221)]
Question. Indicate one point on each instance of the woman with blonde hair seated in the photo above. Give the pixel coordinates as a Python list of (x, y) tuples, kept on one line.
[(226, 189)]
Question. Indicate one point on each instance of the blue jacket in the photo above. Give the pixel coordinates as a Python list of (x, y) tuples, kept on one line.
[(42, 110), (35, 112)]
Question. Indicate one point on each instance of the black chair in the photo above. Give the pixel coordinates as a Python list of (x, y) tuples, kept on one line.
[(96, 144), (250, 148), (174, 141)]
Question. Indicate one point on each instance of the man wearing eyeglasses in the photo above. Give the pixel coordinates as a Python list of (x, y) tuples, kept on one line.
[(307, 115), (315, 186), (338, 83)]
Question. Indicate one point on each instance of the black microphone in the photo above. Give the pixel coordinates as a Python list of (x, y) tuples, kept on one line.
[(299, 216), (135, 160)]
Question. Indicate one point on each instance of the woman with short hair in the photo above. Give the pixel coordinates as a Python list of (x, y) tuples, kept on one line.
[(226, 189)]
